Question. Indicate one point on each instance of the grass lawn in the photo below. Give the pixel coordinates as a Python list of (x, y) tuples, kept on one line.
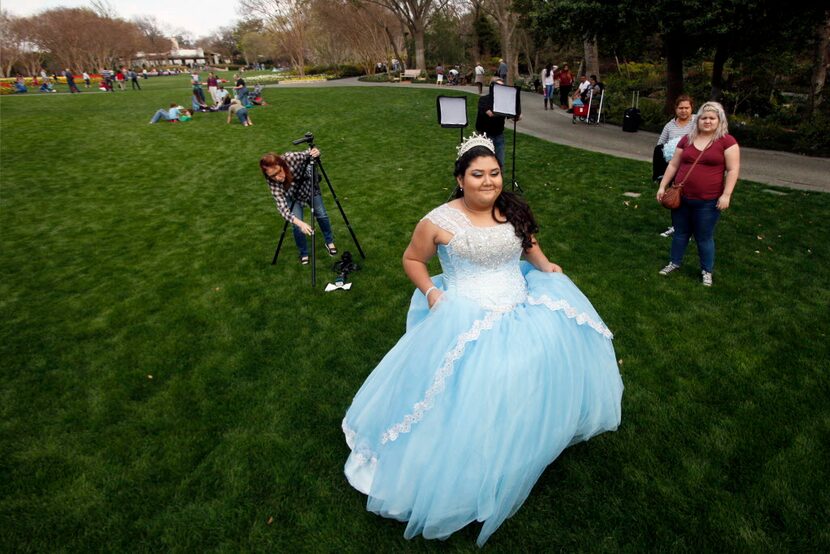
[(164, 388)]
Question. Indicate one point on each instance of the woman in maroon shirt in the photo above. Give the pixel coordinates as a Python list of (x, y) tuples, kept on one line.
[(707, 162), (566, 81)]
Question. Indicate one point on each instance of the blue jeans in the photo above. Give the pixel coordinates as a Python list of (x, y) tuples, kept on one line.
[(242, 115), (161, 114), (498, 142), (548, 91), (242, 95), (698, 218), (322, 218)]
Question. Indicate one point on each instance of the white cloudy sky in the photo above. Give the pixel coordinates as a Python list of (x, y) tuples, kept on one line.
[(197, 16)]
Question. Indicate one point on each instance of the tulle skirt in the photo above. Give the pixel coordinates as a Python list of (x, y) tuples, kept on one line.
[(461, 417)]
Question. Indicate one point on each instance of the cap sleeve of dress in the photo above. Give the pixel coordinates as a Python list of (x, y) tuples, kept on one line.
[(447, 218)]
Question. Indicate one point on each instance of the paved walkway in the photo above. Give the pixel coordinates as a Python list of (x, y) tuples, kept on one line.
[(763, 166)]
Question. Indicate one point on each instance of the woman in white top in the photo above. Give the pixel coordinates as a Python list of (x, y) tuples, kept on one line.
[(547, 84)]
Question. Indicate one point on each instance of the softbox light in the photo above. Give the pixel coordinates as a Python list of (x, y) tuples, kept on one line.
[(452, 111), (506, 100)]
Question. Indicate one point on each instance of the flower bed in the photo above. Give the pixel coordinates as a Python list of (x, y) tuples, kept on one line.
[(285, 78), (33, 83)]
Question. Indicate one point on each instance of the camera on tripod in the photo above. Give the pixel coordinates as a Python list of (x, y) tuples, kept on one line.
[(308, 137)]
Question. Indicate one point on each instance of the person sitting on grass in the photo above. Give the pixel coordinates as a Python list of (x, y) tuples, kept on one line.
[(20, 85), (223, 106), (198, 105), (171, 115), (222, 96), (240, 111)]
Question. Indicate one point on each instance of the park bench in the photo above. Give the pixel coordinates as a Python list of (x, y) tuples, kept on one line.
[(411, 74)]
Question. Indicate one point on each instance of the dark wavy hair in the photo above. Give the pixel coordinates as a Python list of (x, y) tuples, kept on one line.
[(512, 206), (272, 160)]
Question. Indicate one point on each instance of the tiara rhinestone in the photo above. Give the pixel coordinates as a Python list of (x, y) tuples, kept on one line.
[(475, 140)]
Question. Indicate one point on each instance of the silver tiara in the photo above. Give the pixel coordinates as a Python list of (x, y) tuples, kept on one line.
[(475, 140)]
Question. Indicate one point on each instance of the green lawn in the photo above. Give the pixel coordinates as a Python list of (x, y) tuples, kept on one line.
[(164, 388)]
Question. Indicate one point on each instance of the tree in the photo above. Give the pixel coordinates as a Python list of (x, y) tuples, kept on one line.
[(821, 62), (154, 39), (79, 38), (223, 42), (485, 36), (62, 32), (415, 15), (12, 42), (345, 30), (256, 45), (288, 22), (443, 41), (507, 22)]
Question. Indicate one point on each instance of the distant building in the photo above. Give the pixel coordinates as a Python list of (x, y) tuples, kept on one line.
[(176, 56)]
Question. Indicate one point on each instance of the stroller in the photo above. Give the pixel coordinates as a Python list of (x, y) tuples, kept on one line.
[(592, 111), (256, 99)]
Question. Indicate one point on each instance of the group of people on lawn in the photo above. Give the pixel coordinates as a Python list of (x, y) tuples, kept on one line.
[(236, 107)]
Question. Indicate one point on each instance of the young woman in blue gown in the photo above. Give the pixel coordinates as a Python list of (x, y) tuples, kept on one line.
[(503, 365)]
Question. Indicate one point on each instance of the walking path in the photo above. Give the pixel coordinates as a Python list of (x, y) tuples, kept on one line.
[(763, 166)]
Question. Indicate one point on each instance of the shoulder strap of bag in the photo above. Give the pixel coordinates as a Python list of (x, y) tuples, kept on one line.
[(686, 178)]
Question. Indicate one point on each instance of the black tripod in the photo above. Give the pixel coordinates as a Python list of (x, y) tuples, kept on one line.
[(516, 186), (456, 188), (315, 163)]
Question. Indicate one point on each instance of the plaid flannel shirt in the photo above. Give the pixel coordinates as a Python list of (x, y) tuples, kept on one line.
[(302, 189)]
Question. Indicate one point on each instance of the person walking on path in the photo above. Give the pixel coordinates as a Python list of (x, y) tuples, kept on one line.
[(119, 79), (479, 77), (86, 79), (706, 163), (501, 72), (70, 81)]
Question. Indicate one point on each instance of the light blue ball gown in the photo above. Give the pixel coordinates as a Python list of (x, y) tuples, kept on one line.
[(461, 417)]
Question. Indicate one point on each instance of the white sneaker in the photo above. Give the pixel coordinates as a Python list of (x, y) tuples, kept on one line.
[(668, 232), (706, 278), (669, 268)]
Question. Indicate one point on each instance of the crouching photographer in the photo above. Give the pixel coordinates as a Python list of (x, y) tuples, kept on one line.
[(291, 180)]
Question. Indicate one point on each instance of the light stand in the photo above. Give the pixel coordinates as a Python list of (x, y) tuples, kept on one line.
[(315, 164), (507, 102), (452, 113)]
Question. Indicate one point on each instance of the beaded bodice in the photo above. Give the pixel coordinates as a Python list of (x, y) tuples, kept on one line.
[(480, 263)]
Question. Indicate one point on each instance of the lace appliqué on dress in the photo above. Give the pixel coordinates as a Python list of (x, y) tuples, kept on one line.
[(363, 455), (449, 219), (581, 317), (440, 376)]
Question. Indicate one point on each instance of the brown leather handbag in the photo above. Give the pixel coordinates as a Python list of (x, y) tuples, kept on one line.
[(671, 196)]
